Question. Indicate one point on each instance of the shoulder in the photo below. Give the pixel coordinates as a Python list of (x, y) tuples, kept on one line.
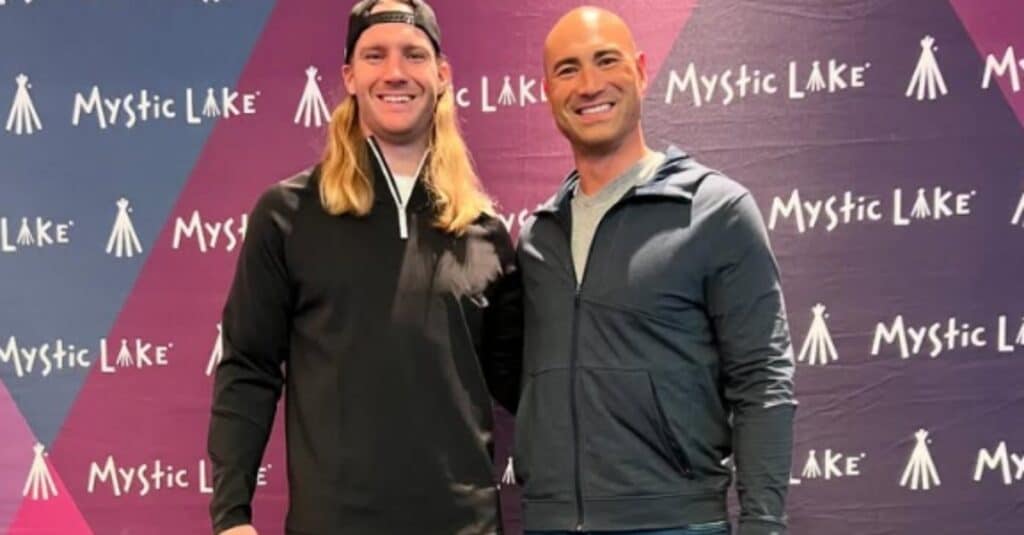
[(529, 230), (719, 194), (489, 227), (278, 205), (726, 208), (290, 194)]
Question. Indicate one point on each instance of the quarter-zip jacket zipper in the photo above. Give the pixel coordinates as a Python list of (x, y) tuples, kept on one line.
[(400, 203)]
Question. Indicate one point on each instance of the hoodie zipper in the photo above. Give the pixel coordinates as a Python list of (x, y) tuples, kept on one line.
[(572, 401), (574, 355)]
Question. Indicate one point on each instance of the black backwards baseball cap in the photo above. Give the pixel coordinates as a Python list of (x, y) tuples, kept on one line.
[(422, 17)]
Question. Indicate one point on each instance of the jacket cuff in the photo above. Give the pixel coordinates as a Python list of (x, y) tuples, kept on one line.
[(234, 518)]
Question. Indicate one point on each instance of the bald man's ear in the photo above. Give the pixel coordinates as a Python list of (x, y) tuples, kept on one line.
[(641, 67)]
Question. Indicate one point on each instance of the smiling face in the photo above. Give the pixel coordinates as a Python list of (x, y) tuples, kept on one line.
[(396, 79), (594, 79)]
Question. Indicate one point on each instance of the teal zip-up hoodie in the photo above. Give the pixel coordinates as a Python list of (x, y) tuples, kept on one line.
[(665, 367)]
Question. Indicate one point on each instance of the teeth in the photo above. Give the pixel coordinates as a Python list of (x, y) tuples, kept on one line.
[(596, 109), (396, 98)]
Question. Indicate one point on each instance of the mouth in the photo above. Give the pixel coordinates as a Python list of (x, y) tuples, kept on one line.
[(594, 109), (396, 99)]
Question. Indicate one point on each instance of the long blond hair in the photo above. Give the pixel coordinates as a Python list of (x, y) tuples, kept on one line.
[(346, 184)]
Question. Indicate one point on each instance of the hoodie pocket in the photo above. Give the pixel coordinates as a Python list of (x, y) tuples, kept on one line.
[(682, 459), (542, 447), (627, 445)]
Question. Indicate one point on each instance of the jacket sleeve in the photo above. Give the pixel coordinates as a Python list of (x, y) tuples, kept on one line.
[(503, 325), (249, 378), (746, 306)]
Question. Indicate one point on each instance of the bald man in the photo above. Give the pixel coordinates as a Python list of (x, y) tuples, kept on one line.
[(657, 354)]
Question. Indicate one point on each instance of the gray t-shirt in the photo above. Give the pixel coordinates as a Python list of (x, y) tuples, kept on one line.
[(587, 210)]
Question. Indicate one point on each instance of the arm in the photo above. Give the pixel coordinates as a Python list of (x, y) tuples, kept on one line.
[(249, 378), (746, 306), (502, 358)]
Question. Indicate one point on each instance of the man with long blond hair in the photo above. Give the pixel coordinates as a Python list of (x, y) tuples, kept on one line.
[(380, 289)]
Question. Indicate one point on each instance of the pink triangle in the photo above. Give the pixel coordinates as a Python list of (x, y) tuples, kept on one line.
[(994, 26), (15, 456), (58, 514)]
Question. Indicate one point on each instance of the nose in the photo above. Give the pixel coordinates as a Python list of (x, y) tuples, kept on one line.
[(394, 70), (591, 82)]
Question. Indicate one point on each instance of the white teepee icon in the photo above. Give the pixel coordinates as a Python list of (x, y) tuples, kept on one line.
[(124, 357), (123, 242), (39, 482), (921, 210), (818, 347), (25, 234), (210, 108), (312, 109), (23, 118), (508, 478), (927, 81), (507, 96), (217, 353), (811, 469), (920, 473), (817, 80)]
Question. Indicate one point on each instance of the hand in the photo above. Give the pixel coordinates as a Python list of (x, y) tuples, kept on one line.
[(245, 529)]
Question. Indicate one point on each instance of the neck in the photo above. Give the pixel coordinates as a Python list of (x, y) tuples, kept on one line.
[(599, 166), (403, 158)]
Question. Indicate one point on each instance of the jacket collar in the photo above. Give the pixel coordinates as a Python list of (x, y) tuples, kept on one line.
[(420, 198), (677, 178)]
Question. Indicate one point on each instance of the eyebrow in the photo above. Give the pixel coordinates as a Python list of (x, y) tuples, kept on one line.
[(608, 52), (415, 48), (597, 55), (563, 62), (405, 48)]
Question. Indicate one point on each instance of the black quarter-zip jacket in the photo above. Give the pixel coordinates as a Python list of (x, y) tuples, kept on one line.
[(390, 349)]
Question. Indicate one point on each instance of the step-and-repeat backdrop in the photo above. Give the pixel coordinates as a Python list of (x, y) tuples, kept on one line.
[(882, 139)]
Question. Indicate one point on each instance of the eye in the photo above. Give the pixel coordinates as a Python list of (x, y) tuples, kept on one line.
[(565, 71), (417, 55), (372, 56), (607, 61)]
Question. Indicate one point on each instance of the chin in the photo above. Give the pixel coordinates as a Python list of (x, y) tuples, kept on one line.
[(596, 138), (403, 134), (397, 129), (596, 145)]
